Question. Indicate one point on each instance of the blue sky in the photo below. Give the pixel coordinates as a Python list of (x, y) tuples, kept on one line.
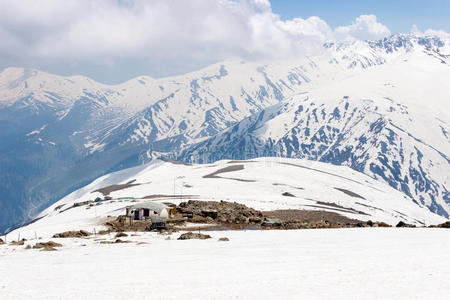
[(398, 15)]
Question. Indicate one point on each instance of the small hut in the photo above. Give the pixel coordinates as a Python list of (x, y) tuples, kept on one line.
[(148, 210)]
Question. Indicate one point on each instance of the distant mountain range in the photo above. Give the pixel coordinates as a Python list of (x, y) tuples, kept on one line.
[(382, 108)]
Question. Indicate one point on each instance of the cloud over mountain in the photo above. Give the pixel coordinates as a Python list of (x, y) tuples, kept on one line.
[(158, 37), (365, 27), (154, 32)]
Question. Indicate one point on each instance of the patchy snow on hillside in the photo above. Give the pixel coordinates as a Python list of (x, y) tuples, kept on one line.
[(262, 183)]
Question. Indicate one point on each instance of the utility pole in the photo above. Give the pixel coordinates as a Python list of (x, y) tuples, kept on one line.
[(175, 178)]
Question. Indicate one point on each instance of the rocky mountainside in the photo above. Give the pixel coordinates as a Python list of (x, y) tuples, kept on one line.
[(58, 133)]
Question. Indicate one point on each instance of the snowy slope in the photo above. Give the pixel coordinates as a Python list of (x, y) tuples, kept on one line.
[(61, 132), (391, 127), (257, 183)]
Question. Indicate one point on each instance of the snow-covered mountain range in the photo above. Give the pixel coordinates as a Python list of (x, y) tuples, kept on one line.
[(380, 107)]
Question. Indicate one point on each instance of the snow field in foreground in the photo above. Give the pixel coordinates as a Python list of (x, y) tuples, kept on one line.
[(369, 263)]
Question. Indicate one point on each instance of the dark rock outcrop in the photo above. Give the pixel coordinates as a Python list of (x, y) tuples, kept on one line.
[(194, 236), (224, 212)]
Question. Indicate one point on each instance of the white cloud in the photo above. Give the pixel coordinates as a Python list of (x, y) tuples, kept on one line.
[(438, 33), (158, 36), (365, 27), (429, 32)]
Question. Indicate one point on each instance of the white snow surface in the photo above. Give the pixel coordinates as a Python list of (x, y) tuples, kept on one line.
[(259, 184), (359, 263)]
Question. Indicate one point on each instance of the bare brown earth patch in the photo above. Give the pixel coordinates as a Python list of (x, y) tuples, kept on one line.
[(117, 241), (323, 206), (282, 184), (341, 207), (17, 243), (310, 216), (225, 170), (72, 234), (115, 187), (287, 194), (350, 193), (48, 246)]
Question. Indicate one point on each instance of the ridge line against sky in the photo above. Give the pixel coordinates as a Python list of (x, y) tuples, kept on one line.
[(112, 41)]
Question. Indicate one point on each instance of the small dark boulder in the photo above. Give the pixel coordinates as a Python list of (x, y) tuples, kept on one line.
[(403, 224), (224, 239), (1, 242), (121, 234), (190, 236)]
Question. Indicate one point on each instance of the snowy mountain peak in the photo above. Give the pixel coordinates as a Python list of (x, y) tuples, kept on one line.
[(320, 107)]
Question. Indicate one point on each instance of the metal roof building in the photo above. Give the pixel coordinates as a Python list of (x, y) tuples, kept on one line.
[(148, 209)]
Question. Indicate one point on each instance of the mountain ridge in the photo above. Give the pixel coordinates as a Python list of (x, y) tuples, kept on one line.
[(107, 128)]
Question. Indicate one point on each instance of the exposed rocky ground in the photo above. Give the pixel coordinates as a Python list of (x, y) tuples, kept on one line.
[(300, 219), (235, 215), (443, 225), (223, 215), (222, 212)]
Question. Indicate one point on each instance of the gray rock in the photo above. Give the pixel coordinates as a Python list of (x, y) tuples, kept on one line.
[(191, 236)]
